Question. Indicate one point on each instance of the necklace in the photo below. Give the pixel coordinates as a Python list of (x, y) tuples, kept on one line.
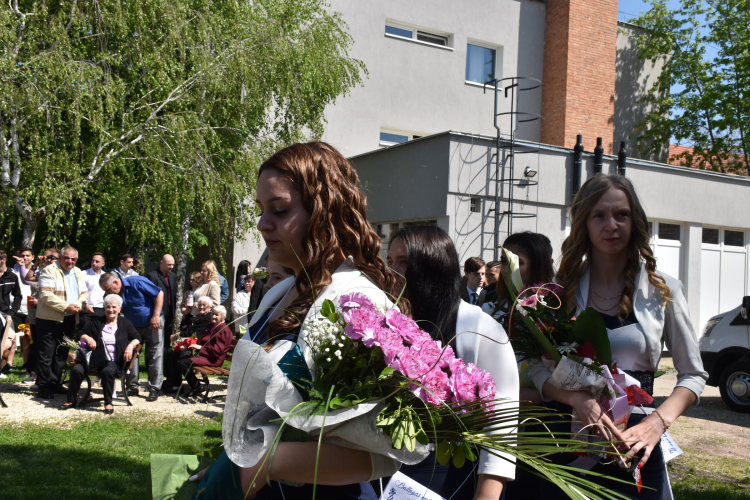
[(600, 307), (591, 287)]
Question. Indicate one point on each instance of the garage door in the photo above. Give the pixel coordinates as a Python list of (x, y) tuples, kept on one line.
[(724, 271)]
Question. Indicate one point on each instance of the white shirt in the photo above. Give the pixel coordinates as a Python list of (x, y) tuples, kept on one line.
[(25, 291), (96, 294), (122, 274), (240, 303), (472, 298), (482, 340)]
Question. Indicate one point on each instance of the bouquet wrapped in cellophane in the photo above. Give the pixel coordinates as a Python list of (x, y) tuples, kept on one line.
[(575, 349), (381, 384)]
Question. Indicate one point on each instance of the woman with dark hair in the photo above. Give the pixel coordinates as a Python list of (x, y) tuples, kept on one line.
[(607, 264), (534, 261), (243, 269), (313, 217), (427, 258)]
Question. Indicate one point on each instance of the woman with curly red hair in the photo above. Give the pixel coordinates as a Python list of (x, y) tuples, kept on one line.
[(313, 221), (607, 264)]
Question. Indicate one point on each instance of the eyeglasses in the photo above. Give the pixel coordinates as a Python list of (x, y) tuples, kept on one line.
[(71, 258)]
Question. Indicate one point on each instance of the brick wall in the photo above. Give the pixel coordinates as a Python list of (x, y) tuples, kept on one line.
[(578, 91)]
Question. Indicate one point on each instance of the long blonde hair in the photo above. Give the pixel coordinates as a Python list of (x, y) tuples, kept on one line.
[(577, 247), (213, 274)]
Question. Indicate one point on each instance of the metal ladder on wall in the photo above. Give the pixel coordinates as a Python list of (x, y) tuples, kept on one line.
[(508, 147)]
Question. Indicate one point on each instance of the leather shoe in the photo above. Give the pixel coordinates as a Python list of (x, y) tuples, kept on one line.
[(46, 395), (195, 391), (153, 395), (133, 391), (109, 411), (68, 406)]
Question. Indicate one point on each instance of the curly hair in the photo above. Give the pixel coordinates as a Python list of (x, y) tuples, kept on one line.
[(577, 246), (213, 273), (329, 187)]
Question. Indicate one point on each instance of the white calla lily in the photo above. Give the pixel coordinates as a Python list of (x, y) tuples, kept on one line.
[(514, 269)]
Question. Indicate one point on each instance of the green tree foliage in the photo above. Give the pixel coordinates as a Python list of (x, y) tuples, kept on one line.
[(144, 122), (710, 111)]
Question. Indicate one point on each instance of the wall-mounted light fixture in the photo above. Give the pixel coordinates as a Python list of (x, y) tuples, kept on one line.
[(529, 173)]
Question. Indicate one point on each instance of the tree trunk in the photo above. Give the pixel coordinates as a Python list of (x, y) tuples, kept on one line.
[(30, 221), (181, 271)]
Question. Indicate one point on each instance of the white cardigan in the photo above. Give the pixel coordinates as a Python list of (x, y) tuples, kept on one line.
[(490, 351), (346, 279), (662, 324)]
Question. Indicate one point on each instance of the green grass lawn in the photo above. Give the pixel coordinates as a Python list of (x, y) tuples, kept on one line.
[(106, 459), (110, 458)]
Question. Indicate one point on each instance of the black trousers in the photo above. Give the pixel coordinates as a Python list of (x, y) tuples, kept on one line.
[(176, 366), (106, 374), (31, 359), (51, 354)]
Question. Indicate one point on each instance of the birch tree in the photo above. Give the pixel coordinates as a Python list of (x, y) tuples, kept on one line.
[(148, 119)]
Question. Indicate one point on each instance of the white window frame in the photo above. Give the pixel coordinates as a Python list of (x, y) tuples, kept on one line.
[(409, 135), (655, 241), (478, 204), (414, 29), (721, 247), (498, 61)]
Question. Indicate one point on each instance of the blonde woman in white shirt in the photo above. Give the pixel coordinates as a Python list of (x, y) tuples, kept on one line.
[(210, 287)]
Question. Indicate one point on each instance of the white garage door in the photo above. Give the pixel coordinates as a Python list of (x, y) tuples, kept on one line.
[(724, 271), (666, 243)]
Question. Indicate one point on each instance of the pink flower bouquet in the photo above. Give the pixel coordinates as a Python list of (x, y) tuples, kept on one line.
[(362, 354)]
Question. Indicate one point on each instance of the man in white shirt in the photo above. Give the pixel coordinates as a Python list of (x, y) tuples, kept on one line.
[(95, 304), (126, 267), (24, 258)]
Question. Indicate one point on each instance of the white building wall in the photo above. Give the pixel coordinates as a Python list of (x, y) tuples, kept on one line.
[(420, 88), (670, 195)]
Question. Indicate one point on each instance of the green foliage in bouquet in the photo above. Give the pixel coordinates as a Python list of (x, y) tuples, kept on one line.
[(540, 325)]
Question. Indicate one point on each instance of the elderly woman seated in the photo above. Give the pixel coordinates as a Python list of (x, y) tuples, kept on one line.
[(114, 333), (210, 349)]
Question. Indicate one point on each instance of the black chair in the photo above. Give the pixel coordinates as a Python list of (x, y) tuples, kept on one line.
[(86, 383)]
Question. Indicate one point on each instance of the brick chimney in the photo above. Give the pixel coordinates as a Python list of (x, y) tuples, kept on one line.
[(578, 91)]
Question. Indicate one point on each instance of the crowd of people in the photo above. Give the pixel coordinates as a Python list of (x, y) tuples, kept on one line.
[(119, 311), (313, 221)]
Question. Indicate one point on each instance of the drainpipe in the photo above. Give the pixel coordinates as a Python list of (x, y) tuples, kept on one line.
[(622, 159), (577, 165), (598, 153)]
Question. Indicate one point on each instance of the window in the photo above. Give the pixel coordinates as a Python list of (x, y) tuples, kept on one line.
[(389, 137), (393, 138), (434, 39), (475, 205), (392, 30), (710, 235), (418, 35), (734, 238), (480, 64), (667, 247), (669, 231)]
